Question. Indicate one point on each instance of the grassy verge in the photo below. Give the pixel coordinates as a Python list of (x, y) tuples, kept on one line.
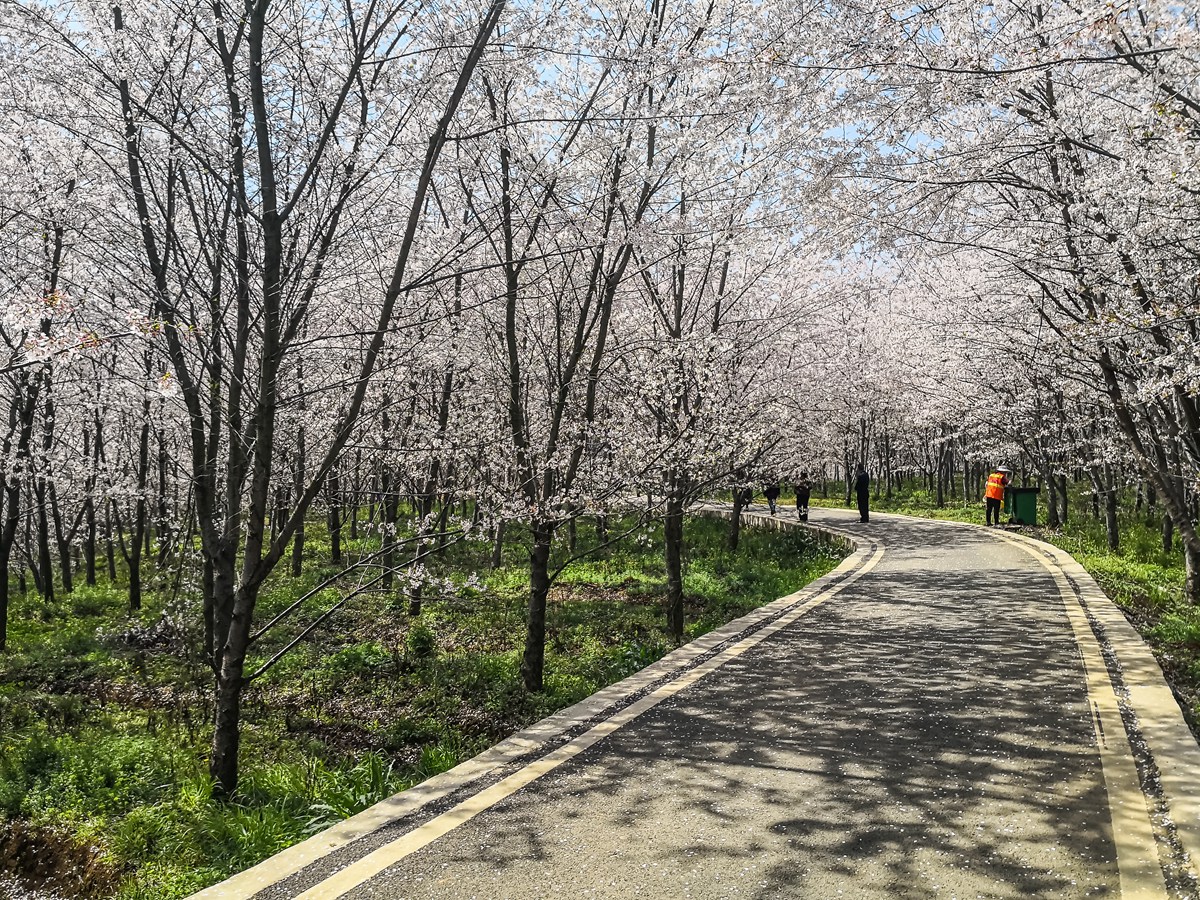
[(104, 717), (1145, 581)]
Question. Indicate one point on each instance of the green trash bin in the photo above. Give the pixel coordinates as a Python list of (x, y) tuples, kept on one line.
[(1022, 505)]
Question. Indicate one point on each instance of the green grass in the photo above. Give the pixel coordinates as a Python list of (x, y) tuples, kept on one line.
[(104, 717)]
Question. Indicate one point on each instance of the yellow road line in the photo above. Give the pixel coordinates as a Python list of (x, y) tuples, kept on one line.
[(1138, 864), (366, 868)]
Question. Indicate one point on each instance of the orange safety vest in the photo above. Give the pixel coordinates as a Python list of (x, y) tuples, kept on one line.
[(995, 486)]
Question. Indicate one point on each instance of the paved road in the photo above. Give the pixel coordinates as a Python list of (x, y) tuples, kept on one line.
[(927, 722)]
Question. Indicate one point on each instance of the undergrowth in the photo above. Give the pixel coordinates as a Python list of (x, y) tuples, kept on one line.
[(104, 716)]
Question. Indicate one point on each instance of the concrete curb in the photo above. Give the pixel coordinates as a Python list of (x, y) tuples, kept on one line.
[(1159, 722), (541, 735)]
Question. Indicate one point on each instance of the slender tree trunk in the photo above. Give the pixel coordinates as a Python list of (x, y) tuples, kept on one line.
[(141, 528), (90, 450), (887, 463), (110, 555), (1191, 586), (443, 526), (44, 563), (298, 543), (334, 491), (355, 494), (1168, 532), (941, 477), (735, 520), (1052, 519), (849, 473), (1111, 523), (5, 555), (498, 545), (209, 590), (162, 516), (11, 488), (89, 539), (673, 557), (62, 541), (951, 470), (533, 661), (279, 513), (391, 516), (30, 561)]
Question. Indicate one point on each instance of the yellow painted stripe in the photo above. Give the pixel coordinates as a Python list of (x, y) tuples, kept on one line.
[(1133, 837), (357, 873)]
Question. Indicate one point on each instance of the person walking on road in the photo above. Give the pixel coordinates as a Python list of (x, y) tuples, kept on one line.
[(803, 492), (771, 492), (994, 492), (862, 487)]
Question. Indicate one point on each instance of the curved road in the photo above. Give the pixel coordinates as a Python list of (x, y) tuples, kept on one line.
[(954, 712)]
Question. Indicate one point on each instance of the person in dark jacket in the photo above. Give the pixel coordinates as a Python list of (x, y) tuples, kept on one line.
[(862, 487), (771, 492), (803, 492)]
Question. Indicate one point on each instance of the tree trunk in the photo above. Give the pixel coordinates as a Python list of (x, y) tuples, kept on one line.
[(673, 557), (209, 591), (1168, 532), (1052, 520), (89, 540), (132, 554), (849, 473), (1191, 586), (941, 477), (223, 764), (162, 517), (1110, 510), (498, 545), (735, 520), (11, 488), (29, 560), (298, 544), (601, 529), (141, 520), (63, 542), (443, 526), (232, 640), (279, 513), (355, 494), (887, 463), (533, 661), (110, 555), (44, 564), (335, 515), (390, 503)]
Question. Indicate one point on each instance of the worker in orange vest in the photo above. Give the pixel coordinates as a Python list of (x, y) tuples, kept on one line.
[(994, 492)]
